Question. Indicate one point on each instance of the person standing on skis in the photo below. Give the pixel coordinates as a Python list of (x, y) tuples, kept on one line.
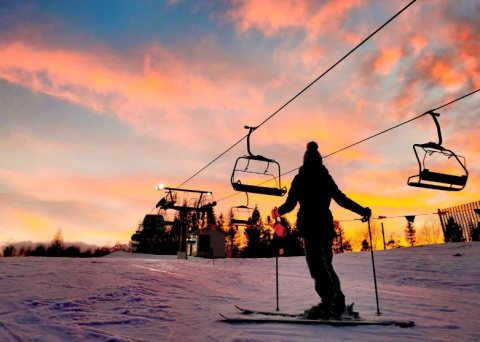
[(313, 188)]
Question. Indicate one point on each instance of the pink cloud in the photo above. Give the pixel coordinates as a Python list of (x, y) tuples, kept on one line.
[(270, 17), (331, 16), (164, 87)]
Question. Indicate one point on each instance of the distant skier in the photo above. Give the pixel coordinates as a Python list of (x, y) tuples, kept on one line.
[(314, 188)]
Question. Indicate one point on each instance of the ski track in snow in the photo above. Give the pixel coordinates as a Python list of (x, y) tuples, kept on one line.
[(131, 297)]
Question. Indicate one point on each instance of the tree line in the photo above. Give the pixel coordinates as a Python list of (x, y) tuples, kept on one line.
[(254, 239), (257, 239), (57, 248)]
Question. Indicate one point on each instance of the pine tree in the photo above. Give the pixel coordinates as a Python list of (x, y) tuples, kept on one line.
[(292, 243), (56, 247), (232, 244), (453, 231), (365, 245), (340, 243), (209, 219), (410, 233), (258, 238), (9, 251), (476, 233)]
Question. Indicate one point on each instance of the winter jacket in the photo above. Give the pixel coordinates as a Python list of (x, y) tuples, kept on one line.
[(314, 188)]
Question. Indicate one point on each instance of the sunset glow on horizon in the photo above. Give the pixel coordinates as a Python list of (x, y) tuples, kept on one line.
[(102, 102)]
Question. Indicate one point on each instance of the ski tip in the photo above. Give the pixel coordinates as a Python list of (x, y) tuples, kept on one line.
[(223, 316), (244, 311)]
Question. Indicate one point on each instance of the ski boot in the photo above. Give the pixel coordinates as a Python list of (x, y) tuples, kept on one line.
[(348, 314), (319, 311)]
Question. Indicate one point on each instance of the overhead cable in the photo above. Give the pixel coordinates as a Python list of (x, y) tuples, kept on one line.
[(391, 128), (372, 136), (302, 91)]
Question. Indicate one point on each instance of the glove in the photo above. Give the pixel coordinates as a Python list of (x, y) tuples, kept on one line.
[(275, 213), (279, 229), (367, 212)]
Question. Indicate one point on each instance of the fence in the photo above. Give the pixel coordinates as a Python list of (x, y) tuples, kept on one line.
[(467, 216)]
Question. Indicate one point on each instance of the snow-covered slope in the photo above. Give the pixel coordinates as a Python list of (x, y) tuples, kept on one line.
[(132, 297)]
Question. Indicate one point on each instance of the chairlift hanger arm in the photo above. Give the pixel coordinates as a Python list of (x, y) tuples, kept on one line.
[(250, 130), (250, 154), (244, 206)]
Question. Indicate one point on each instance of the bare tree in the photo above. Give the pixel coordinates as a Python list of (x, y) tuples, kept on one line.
[(376, 233), (430, 232), (394, 243)]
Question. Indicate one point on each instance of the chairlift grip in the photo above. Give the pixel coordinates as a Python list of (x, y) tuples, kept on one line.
[(434, 117), (250, 130)]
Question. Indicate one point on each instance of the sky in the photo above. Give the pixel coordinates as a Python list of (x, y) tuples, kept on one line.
[(103, 100)]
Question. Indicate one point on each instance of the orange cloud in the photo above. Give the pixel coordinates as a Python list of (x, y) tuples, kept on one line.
[(268, 16), (418, 42), (387, 59), (449, 77)]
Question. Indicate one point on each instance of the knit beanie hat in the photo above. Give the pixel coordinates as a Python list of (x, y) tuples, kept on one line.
[(311, 154)]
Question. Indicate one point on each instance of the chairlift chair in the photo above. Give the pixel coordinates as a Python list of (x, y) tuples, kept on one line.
[(429, 179), (244, 214), (178, 199), (153, 222), (239, 171), (241, 214)]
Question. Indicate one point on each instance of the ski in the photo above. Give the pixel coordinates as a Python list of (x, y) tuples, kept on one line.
[(267, 313), (347, 316), (297, 320)]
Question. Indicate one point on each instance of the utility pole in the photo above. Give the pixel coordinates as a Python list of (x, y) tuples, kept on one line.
[(383, 234)]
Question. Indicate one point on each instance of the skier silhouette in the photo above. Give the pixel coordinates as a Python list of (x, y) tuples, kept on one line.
[(313, 188)]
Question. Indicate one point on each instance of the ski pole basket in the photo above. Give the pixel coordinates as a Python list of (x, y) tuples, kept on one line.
[(451, 177), (251, 172)]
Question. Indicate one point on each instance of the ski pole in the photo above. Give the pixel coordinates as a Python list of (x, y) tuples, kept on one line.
[(373, 266), (280, 231), (276, 266)]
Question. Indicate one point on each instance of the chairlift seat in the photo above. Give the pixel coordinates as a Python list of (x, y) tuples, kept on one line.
[(241, 222), (442, 181), (443, 178), (255, 189)]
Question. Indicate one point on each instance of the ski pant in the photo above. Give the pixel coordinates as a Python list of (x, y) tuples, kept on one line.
[(319, 257)]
